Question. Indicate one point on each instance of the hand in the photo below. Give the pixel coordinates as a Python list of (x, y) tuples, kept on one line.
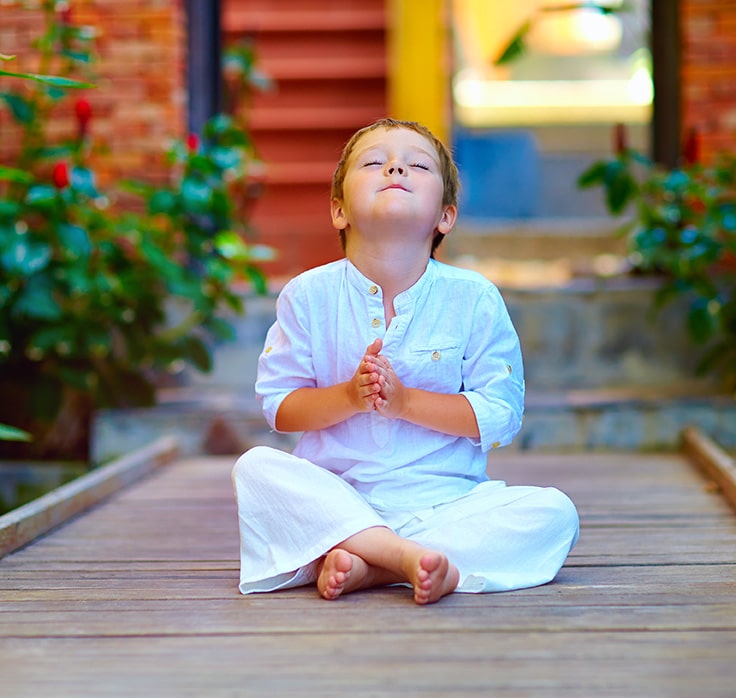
[(367, 380), (393, 396)]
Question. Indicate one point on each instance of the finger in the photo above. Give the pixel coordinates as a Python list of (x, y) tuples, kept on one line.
[(368, 379), (375, 347)]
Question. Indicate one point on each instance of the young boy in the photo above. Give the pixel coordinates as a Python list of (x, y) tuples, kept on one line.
[(388, 484)]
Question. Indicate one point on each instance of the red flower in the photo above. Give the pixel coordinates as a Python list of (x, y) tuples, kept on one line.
[(65, 13), (620, 144), (193, 142), (83, 112), (60, 175), (691, 147)]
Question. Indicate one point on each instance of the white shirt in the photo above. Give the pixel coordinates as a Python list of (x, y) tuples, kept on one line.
[(451, 334)]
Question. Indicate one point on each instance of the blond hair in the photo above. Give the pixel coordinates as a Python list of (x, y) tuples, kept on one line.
[(448, 169)]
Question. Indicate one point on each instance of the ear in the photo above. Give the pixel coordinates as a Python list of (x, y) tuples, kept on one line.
[(447, 221), (337, 211)]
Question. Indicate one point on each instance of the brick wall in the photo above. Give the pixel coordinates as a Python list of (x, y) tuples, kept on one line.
[(139, 101), (709, 73)]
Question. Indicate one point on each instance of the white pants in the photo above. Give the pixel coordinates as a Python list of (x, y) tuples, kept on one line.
[(291, 512)]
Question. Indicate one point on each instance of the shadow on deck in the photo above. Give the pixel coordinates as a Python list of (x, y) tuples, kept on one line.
[(139, 596)]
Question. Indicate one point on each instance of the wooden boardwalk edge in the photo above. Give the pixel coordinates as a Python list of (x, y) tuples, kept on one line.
[(712, 460), (26, 523)]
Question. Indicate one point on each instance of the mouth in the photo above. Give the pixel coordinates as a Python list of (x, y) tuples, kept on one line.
[(394, 186)]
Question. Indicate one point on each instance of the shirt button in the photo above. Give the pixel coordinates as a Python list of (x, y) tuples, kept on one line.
[(436, 356), (495, 444), (373, 290), (376, 322), (508, 368)]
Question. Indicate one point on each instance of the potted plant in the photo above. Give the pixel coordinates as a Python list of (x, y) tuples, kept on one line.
[(96, 302), (681, 226)]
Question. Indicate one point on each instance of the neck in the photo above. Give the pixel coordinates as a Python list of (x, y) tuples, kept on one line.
[(394, 266)]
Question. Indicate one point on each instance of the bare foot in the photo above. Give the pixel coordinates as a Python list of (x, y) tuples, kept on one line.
[(434, 578), (341, 572)]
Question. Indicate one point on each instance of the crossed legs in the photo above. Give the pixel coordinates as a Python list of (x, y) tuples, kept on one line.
[(377, 556)]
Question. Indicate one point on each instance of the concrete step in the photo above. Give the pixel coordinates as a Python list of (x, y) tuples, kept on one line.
[(625, 419), (217, 422), (585, 333), (600, 374)]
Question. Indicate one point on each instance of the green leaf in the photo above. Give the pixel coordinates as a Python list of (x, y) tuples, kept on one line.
[(221, 329), (258, 279), (701, 320), (41, 195), (55, 80), (196, 352), (226, 158), (49, 337), (77, 376), (516, 47), (8, 433), (10, 212), (22, 109), (620, 186), (218, 125), (36, 300), (594, 175), (25, 256), (83, 180), (11, 174), (162, 201), (75, 240), (231, 246), (196, 195)]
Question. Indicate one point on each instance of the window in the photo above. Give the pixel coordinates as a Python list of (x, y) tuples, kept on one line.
[(538, 87)]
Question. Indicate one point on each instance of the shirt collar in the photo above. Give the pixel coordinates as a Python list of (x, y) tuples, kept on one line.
[(364, 284)]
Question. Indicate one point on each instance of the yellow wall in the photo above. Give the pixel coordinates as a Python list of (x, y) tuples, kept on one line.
[(419, 68)]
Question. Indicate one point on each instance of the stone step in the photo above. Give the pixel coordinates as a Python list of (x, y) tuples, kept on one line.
[(578, 241), (216, 422), (587, 333), (600, 374), (625, 419)]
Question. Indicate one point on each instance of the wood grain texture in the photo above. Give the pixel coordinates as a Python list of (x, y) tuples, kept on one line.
[(139, 596), (26, 523), (715, 463)]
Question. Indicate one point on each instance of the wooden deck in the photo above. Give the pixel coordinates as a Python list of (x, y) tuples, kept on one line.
[(139, 597)]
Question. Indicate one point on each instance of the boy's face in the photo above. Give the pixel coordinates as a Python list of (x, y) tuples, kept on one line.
[(393, 176)]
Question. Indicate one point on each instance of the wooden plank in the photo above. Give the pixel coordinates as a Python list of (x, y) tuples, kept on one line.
[(22, 525), (458, 616), (141, 595), (713, 461), (350, 664)]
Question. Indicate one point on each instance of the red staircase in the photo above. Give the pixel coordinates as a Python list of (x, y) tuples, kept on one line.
[(327, 59)]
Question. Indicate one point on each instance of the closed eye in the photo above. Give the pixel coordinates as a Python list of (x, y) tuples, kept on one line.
[(420, 165), (372, 162)]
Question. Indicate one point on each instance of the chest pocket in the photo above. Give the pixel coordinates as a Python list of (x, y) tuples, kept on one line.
[(437, 368)]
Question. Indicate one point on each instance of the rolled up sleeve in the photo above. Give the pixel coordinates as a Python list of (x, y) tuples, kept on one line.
[(493, 373)]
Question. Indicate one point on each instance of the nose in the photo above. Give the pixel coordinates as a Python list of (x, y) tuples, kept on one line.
[(394, 167)]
